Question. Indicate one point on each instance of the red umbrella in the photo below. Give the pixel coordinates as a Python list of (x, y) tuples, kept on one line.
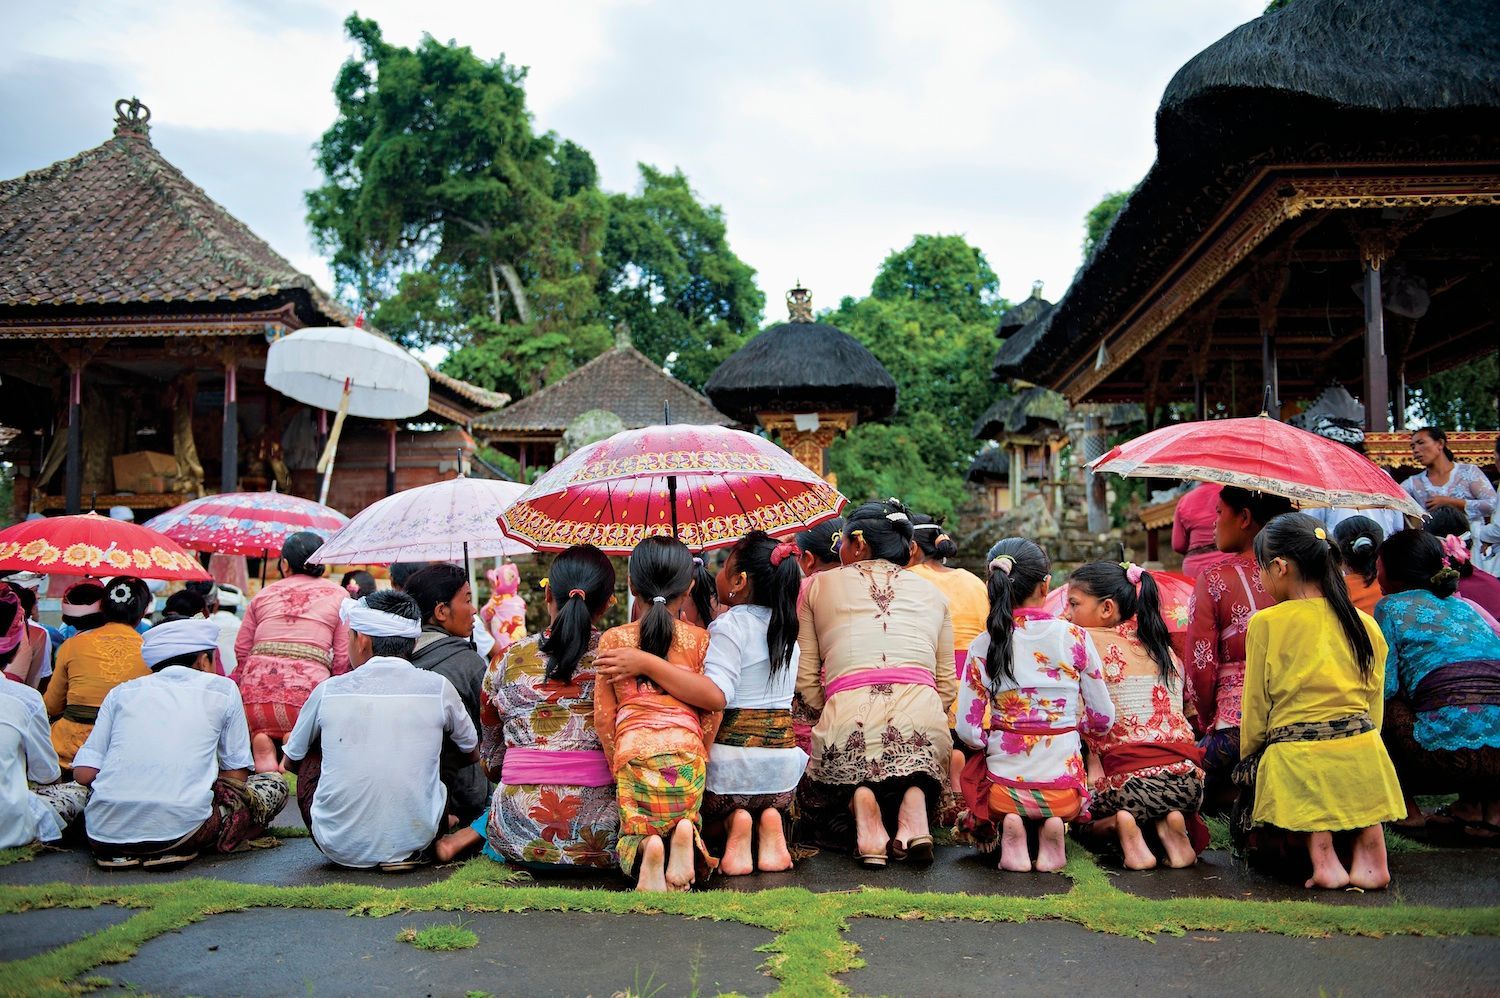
[(90, 544), (1264, 455), (708, 485), (1176, 592), (248, 523)]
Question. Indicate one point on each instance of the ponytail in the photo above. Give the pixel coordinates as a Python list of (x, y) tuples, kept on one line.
[(703, 591), (775, 581), (661, 570), (1304, 543), (1017, 567), (582, 582), (1138, 597)]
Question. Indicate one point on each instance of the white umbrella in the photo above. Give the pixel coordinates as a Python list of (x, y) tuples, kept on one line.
[(350, 370), (445, 521)]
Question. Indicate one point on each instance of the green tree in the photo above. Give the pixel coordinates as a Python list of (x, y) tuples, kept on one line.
[(1463, 398), (943, 271), (1100, 217), (668, 272)]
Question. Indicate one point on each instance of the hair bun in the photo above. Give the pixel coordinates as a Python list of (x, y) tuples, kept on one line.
[(1362, 543)]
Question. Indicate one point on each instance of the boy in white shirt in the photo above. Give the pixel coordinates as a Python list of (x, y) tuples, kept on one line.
[(366, 745), (169, 759)]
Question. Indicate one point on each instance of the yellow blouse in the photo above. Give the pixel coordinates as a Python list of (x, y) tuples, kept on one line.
[(968, 600)]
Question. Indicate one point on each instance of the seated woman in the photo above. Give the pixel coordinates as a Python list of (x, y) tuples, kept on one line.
[(656, 744), (1359, 539), (1313, 764), (1144, 770), (554, 807), (1036, 682), (754, 763), (144, 813), (1475, 585), (444, 598), (95, 661), (1442, 685), (877, 661)]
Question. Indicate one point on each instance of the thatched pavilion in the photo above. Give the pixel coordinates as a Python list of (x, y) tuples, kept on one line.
[(1326, 157), (804, 380)]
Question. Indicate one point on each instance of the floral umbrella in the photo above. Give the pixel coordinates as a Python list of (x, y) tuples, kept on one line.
[(1176, 592), (247, 523), (90, 544), (444, 521), (707, 485), (1264, 455)]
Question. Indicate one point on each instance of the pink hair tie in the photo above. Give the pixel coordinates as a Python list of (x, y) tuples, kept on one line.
[(1132, 573), (1456, 551), (781, 552)]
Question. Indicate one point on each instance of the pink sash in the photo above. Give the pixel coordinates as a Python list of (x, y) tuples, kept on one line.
[(908, 675), (960, 660), (529, 767)]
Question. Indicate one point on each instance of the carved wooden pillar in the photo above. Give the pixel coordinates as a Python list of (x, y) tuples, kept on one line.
[(808, 436), (390, 459), (74, 465), (1266, 285), (229, 453)]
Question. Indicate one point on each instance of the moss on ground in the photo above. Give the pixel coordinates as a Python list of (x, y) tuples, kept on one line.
[(809, 948)]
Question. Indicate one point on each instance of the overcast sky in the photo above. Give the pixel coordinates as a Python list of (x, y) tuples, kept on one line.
[(830, 133)]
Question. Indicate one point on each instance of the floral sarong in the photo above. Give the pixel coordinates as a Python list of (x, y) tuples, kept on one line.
[(654, 794)]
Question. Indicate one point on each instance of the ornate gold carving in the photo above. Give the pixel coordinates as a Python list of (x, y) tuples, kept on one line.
[(1242, 233), (809, 447)]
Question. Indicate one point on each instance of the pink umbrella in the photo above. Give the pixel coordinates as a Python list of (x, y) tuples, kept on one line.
[(446, 521), (245, 523)]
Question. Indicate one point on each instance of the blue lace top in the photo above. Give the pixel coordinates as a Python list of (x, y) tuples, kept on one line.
[(1424, 632)]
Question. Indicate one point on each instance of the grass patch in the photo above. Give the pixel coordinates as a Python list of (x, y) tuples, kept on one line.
[(443, 937), (20, 854), (288, 832)]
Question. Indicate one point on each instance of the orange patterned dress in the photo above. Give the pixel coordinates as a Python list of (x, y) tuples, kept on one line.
[(89, 665)]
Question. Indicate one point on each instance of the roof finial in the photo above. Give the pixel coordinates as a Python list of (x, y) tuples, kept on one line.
[(1036, 289), (799, 303), (132, 117), (622, 335)]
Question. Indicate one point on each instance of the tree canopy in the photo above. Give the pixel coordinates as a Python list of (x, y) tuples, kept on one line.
[(453, 222), (1100, 217)]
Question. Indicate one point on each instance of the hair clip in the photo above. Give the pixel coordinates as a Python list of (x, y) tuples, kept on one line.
[(545, 582), (781, 552), (835, 541), (1455, 550), (928, 526), (941, 538), (857, 533), (898, 517), (1002, 563), (1320, 533)]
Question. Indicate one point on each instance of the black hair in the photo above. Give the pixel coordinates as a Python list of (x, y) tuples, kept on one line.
[(403, 570), (1263, 506), (1438, 436), (27, 596), (704, 591), (661, 569), (208, 590), (183, 604), (83, 594), (1359, 539), (818, 541), (436, 584), (402, 605), (1028, 567), (1414, 559), (299, 547), (1109, 580), (1294, 536), (775, 583), (8, 613), (364, 583), (581, 581), (126, 600), (1448, 521), (186, 659), (929, 535), (885, 527)]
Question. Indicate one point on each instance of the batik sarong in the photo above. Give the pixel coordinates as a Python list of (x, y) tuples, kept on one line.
[(654, 794), (1241, 816)]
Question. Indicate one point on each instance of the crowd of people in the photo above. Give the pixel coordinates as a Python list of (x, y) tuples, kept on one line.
[(846, 688)]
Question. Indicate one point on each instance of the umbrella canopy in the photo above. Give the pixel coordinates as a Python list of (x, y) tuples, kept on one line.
[(1265, 455), (90, 544), (446, 521), (1175, 591), (709, 484), (248, 523), (311, 365)]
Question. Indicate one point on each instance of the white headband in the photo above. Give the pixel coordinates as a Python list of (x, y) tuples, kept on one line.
[(928, 526), (377, 623), (179, 637)]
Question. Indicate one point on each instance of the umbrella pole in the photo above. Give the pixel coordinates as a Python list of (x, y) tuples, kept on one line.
[(325, 463), (672, 501), (264, 554)]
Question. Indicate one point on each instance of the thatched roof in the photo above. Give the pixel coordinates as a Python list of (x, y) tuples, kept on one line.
[(1024, 412), (1318, 81), (1033, 307), (623, 381), (990, 465), (1011, 356), (802, 366)]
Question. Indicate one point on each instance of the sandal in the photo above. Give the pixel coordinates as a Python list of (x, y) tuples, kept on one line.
[(169, 859), (402, 866), (919, 850), (871, 860), (117, 862)]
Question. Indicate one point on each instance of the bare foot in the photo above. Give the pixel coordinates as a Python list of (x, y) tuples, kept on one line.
[(1172, 830), (1414, 819), (737, 860), (1367, 867), (653, 866), (680, 859), (450, 847), (1138, 855), (772, 855), (266, 756), (911, 819), (1328, 872), (870, 836), (1051, 852), (1014, 855)]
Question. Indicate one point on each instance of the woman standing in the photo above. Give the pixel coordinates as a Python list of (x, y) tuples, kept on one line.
[(95, 661), (1443, 481), (290, 641), (877, 660)]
